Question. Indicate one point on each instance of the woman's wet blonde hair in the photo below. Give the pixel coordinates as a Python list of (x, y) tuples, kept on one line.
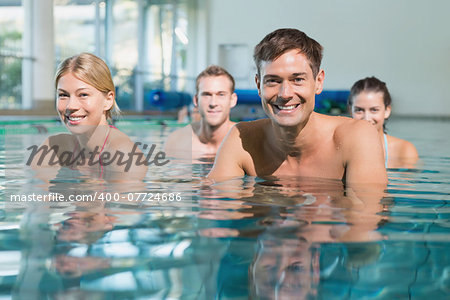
[(93, 70)]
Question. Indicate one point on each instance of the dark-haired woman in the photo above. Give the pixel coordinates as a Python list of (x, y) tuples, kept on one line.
[(370, 100)]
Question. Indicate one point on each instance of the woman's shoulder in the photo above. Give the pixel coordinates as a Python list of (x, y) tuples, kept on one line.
[(401, 148), (62, 141), (121, 147), (119, 140), (53, 147), (348, 129)]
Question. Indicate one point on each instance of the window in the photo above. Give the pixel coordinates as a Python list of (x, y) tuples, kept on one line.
[(11, 28)]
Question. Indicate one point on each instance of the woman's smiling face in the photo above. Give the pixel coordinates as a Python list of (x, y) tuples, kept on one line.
[(80, 104), (370, 106)]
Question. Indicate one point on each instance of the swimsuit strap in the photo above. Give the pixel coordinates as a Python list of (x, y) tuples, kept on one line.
[(101, 150), (385, 150), (99, 155)]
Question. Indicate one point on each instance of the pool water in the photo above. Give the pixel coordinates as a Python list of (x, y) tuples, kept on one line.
[(290, 238)]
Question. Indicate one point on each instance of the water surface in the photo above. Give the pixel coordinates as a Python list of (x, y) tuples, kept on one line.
[(286, 238)]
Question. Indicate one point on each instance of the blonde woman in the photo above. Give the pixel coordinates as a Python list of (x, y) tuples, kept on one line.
[(85, 102)]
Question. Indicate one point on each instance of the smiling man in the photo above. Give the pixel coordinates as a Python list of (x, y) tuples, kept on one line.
[(214, 98), (295, 140)]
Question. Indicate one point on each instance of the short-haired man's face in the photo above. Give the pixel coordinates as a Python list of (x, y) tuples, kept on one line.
[(283, 269), (287, 88), (215, 99)]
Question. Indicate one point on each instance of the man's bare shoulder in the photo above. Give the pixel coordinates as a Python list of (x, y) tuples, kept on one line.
[(347, 128), (234, 156), (178, 141), (181, 131), (339, 127), (252, 128), (361, 149), (254, 124), (180, 134), (352, 136)]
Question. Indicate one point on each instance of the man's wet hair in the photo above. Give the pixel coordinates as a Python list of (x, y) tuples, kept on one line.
[(214, 70), (282, 40)]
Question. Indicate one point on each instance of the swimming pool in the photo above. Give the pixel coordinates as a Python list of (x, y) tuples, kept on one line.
[(284, 239)]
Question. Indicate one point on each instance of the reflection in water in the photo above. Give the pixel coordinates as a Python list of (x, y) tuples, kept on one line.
[(264, 238), (292, 265), (284, 267), (195, 248)]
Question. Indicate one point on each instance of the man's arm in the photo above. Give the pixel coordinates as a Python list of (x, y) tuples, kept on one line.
[(363, 154), (179, 143), (366, 177), (229, 159)]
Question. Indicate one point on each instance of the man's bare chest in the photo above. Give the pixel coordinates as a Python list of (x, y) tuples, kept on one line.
[(323, 161)]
